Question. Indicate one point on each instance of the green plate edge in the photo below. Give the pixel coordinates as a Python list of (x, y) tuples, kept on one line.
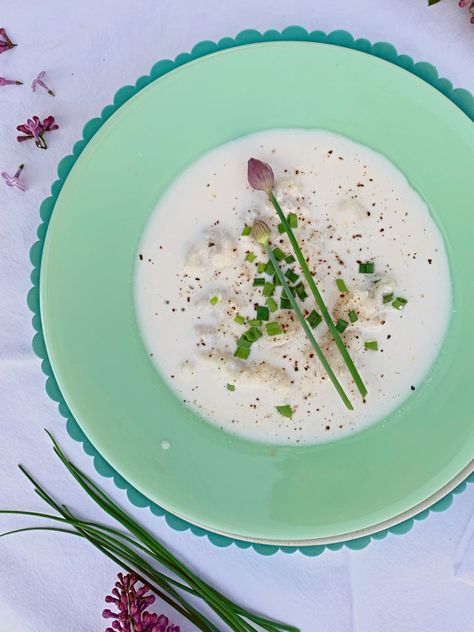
[(460, 97)]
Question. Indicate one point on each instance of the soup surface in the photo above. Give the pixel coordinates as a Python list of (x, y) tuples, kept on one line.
[(371, 245)]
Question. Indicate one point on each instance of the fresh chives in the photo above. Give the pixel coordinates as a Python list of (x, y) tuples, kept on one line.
[(300, 291), (353, 316), (322, 306), (273, 329), (387, 298), (276, 280), (263, 312), (341, 286), (285, 411), (371, 345), (279, 254), (289, 298), (243, 342), (293, 220), (292, 276), (261, 267), (246, 231), (253, 334), (255, 322), (314, 319), (341, 325), (285, 303), (251, 256), (240, 320), (258, 281), (269, 269), (290, 259), (230, 387), (271, 304), (242, 352), (214, 300), (399, 303), (367, 268), (281, 229), (268, 289)]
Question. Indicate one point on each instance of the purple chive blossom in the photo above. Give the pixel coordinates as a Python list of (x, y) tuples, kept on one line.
[(39, 82), (260, 175), (14, 181), (5, 41), (34, 129), (10, 82), (131, 603)]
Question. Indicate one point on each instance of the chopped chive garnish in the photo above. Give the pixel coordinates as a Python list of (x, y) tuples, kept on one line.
[(243, 342), (281, 228), (341, 325), (367, 268), (262, 312), (292, 276), (272, 305), (285, 411), (255, 322), (258, 281), (353, 316), (246, 230), (252, 334), (285, 303), (276, 280), (279, 254), (262, 267), (268, 289), (399, 303), (388, 298), (273, 329), (341, 286), (313, 319), (214, 300), (242, 352), (251, 256), (240, 320), (371, 345), (269, 269), (290, 259), (300, 291), (292, 220), (230, 387)]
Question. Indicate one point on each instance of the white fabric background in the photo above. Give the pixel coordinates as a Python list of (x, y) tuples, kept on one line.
[(51, 583)]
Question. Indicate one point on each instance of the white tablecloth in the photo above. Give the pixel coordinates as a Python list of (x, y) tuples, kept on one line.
[(51, 583)]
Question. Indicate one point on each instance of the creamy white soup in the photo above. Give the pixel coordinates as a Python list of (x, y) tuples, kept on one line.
[(202, 283)]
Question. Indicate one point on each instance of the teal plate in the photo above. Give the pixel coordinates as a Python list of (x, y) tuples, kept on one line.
[(310, 497)]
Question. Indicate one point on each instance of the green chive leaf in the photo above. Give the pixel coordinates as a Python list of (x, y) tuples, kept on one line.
[(242, 352), (353, 316), (371, 345), (281, 229), (258, 281), (285, 411), (251, 256), (341, 286), (268, 289), (367, 268), (279, 254), (214, 300), (246, 231), (341, 325), (292, 276), (292, 220), (314, 319), (272, 305), (273, 329), (230, 387), (387, 298), (240, 320), (399, 303), (263, 312)]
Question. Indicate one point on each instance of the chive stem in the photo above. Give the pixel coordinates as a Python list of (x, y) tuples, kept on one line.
[(306, 328), (319, 299)]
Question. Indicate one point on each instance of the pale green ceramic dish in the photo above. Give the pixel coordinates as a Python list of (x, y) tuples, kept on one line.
[(281, 495)]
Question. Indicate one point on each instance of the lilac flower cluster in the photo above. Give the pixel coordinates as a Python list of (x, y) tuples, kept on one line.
[(131, 603)]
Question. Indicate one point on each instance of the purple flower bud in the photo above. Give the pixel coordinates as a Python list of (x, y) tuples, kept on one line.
[(34, 129), (38, 81), (260, 175)]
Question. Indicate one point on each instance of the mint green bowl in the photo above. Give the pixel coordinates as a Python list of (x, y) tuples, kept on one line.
[(88, 336)]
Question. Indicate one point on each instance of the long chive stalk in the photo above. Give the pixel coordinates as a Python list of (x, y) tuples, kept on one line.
[(317, 297), (306, 328), (125, 549)]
